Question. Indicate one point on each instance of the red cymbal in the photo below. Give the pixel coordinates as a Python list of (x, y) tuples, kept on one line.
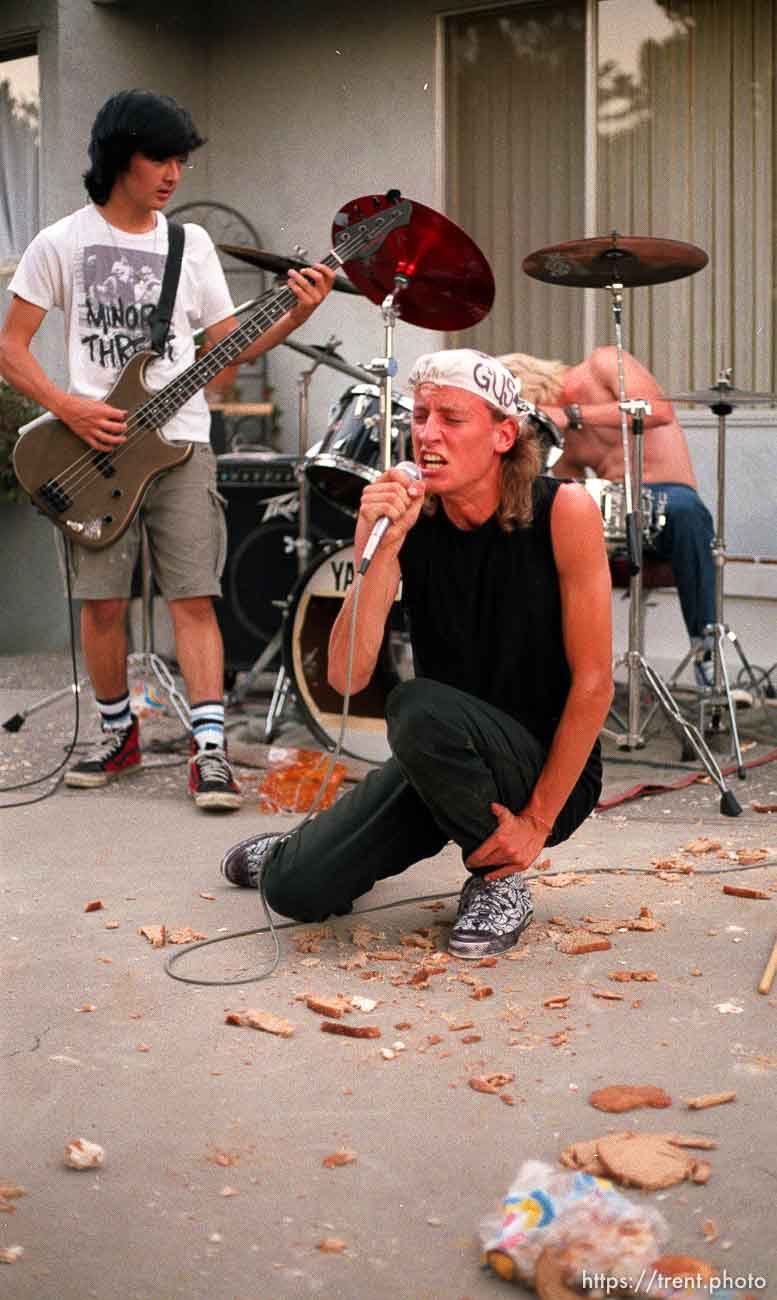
[(450, 281), (630, 260)]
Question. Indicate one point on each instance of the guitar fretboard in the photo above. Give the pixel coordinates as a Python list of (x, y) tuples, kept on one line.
[(163, 405), (160, 408)]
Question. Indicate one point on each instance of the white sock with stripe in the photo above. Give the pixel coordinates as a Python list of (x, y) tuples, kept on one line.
[(208, 724), (115, 714)]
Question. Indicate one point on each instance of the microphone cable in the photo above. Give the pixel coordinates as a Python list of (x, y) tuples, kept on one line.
[(271, 926), (411, 471)]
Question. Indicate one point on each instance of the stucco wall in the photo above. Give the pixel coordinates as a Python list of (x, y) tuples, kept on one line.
[(306, 106), (343, 104)]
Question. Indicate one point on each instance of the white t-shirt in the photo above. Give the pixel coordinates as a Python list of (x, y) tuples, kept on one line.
[(106, 282)]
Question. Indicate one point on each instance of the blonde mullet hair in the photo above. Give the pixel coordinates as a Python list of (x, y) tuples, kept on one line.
[(541, 381)]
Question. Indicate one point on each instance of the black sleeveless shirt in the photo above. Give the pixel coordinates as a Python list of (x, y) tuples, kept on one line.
[(484, 610)]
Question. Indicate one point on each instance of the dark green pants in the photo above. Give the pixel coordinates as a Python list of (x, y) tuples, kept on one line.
[(452, 757)]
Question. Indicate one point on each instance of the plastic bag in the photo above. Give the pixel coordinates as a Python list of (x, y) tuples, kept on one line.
[(294, 778), (596, 1230), (146, 698)]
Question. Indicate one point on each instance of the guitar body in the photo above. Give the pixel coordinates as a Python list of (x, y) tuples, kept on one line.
[(93, 496)]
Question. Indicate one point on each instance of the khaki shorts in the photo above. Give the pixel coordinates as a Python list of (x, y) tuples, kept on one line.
[(187, 532)]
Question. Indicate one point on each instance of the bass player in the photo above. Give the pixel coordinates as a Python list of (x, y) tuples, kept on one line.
[(102, 266)]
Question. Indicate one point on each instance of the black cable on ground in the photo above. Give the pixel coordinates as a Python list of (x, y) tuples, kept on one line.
[(272, 927)]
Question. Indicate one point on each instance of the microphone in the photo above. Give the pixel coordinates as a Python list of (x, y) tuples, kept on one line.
[(411, 471)]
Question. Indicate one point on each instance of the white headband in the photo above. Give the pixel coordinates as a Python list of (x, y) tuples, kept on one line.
[(477, 373)]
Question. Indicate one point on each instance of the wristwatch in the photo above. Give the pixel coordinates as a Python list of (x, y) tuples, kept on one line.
[(574, 416)]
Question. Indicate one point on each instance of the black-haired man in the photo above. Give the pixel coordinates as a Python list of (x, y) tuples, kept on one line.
[(97, 266)]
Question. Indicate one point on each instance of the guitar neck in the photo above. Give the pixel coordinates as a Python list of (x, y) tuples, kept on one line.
[(163, 405), (352, 241)]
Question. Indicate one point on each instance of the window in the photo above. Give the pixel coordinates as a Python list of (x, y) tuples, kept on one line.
[(652, 117), (19, 148)]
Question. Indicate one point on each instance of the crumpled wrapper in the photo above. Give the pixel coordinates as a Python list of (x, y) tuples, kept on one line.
[(590, 1224), (294, 778)]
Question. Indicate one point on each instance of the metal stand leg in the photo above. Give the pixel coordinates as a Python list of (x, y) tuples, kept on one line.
[(728, 802), (265, 660), (17, 720), (637, 666), (719, 695), (147, 658), (278, 702)]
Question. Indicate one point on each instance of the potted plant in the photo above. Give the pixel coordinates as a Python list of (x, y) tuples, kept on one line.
[(15, 410)]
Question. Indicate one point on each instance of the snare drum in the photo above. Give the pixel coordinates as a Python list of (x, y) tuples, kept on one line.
[(313, 607), (348, 458), (611, 499)]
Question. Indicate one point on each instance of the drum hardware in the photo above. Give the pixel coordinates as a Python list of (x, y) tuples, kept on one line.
[(302, 542), (722, 398), (611, 500), (613, 263), (328, 355), (282, 265)]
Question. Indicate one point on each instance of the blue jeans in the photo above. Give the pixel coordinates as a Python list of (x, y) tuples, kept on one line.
[(453, 756), (686, 542)]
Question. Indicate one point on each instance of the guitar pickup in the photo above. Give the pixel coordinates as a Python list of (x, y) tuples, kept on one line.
[(102, 461), (54, 496)]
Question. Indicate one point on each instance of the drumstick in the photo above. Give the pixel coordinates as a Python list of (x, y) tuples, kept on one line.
[(770, 970)]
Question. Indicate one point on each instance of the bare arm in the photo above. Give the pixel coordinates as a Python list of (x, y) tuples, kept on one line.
[(310, 287), (99, 425), (602, 365), (581, 560), (393, 494)]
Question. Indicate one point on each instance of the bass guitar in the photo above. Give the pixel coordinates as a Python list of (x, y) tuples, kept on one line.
[(93, 496)]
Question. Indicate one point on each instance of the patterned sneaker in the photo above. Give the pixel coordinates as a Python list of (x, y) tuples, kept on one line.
[(211, 783), (492, 914), (242, 865), (118, 754)]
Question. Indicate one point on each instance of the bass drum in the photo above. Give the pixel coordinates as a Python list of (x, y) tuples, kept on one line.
[(313, 607)]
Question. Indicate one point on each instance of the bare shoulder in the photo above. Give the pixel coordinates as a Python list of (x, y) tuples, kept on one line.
[(573, 503), (576, 525)]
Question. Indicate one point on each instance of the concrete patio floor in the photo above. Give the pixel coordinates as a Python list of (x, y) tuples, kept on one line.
[(213, 1184)]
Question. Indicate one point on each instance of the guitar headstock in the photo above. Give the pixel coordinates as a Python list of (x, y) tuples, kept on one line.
[(360, 238)]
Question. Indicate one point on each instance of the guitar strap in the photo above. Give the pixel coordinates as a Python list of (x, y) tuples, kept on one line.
[(162, 315)]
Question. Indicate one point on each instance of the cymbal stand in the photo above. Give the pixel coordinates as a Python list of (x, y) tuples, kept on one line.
[(637, 666), (302, 544), (385, 367), (719, 696)]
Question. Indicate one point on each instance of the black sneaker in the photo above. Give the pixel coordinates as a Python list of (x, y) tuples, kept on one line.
[(243, 864), (118, 754), (492, 915), (211, 782)]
